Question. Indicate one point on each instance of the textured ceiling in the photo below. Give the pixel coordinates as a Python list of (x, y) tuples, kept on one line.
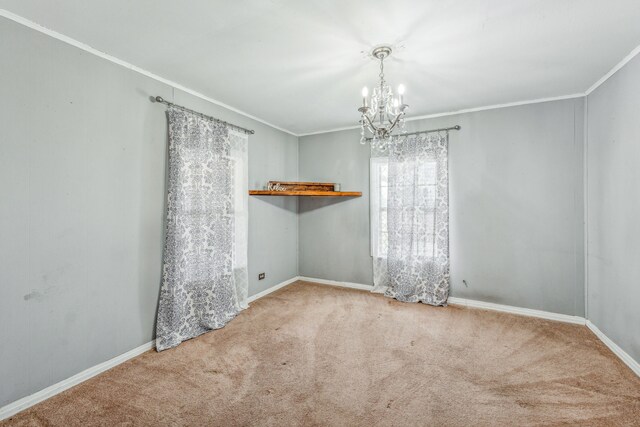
[(299, 64)]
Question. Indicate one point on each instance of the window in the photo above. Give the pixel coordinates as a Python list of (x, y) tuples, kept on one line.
[(417, 186), (379, 173)]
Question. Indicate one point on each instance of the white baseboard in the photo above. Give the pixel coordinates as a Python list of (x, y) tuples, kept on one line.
[(467, 302), (518, 310), (274, 288), (623, 355), (337, 283), (28, 401), (24, 403)]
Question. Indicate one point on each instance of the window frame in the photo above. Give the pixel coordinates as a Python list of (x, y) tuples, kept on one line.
[(375, 208), (375, 186)]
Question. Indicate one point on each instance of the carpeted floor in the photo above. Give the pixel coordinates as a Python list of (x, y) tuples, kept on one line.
[(318, 355)]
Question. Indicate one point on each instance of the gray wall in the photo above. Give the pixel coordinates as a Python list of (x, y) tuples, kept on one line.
[(82, 172), (516, 220), (613, 208)]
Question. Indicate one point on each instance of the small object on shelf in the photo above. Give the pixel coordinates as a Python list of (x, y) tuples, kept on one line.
[(299, 186), (314, 189), (306, 193), (274, 186)]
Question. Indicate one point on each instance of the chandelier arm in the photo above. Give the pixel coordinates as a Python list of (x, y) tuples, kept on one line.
[(372, 127), (368, 127), (395, 121)]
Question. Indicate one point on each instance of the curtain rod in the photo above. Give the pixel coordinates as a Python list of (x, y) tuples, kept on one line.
[(171, 104), (456, 127)]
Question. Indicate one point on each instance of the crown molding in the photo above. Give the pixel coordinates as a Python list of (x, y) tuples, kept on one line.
[(319, 132), (593, 87), (73, 42), (463, 111), (497, 106), (614, 70)]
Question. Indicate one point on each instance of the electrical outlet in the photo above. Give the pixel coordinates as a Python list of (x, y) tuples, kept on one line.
[(260, 276)]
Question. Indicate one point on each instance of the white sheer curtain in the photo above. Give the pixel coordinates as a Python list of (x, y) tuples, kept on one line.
[(240, 165), (410, 219), (204, 281)]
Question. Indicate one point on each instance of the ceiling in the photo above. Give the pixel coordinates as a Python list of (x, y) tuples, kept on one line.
[(298, 64)]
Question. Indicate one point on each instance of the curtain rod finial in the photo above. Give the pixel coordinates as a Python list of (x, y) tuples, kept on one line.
[(159, 99)]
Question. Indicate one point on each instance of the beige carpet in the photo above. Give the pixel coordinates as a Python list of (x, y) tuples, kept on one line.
[(319, 355)]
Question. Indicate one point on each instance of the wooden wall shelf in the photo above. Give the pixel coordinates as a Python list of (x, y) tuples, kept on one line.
[(309, 189), (310, 193)]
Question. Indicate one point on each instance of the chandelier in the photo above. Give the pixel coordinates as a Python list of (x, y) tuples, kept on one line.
[(382, 116)]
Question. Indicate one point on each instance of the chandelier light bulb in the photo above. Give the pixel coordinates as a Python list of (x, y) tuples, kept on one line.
[(365, 92), (401, 89)]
